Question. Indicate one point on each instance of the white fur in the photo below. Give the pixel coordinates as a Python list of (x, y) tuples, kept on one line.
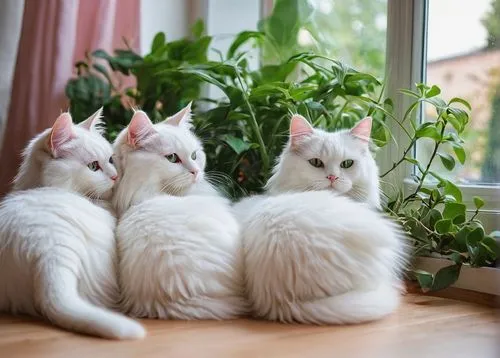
[(145, 172), (312, 254), (179, 245), (294, 173), (57, 248)]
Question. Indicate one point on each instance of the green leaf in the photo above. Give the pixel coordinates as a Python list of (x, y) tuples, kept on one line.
[(452, 210), (478, 202), (456, 124), (198, 28), (460, 242), (457, 258), (443, 226), (433, 91), (459, 219), (431, 218), (462, 101), (492, 246), (447, 160), (241, 38), (460, 115), (453, 190), (428, 131), (101, 54), (475, 236), (424, 279), (282, 26), (409, 93), (203, 76), (158, 41), (446, 277), (459, 152), (237, 144)]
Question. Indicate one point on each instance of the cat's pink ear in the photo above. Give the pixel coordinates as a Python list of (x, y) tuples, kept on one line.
[(363, 129), (94, 123), (181, 118), (299, 128), (139, 129), (61, 133)]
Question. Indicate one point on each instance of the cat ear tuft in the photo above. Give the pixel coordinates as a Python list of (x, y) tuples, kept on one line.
[(94, 123), (139, 129), (362, 129), (181, 118), (61, 133), (299, 128)]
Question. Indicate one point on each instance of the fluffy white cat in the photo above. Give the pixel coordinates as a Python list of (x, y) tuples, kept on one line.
[(178, 242), (57, 248), (316, 249)]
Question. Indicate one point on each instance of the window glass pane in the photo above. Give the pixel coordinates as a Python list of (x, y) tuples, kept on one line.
[(463, 59), (352, 31)]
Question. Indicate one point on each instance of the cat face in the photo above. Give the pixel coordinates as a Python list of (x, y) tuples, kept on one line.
[(316, 160), (74, 157), (166, 156)]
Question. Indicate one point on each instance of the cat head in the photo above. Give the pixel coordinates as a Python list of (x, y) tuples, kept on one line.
[(317, 160), (69, 156), (157, 158)]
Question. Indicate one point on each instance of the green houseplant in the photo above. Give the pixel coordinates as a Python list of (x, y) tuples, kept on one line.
[(244, 131)]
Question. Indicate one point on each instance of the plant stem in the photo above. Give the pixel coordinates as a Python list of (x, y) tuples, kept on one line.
[(395, 165), (426, 171), (255, 125), (474, 216)]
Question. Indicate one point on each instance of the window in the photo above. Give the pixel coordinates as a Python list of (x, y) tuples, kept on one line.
[(352, 31), (443, 43), (464, 61)]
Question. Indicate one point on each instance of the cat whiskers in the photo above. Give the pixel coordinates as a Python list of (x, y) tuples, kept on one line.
[(358, 193), (175, 186), (224, 182)]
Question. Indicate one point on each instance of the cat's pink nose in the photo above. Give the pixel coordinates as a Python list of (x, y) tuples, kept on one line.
[(194, 172), (332, 178), (114, 177)]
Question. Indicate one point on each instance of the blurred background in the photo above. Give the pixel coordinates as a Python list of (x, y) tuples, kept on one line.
[(40, 42)]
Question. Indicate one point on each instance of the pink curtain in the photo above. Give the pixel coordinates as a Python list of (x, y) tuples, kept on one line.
[(54, 35)]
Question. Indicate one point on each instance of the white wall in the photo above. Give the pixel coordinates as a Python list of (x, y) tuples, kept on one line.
[(225, 18), (168, 16)]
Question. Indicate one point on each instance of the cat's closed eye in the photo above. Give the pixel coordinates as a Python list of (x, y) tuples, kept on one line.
[(316, 162), (173, 158), (347, 163), (94, 166)]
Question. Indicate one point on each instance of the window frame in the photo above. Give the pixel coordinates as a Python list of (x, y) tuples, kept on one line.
[(406, 60)]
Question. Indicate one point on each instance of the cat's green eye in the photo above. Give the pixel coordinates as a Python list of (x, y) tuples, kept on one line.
[(347, 163), (173, 158), (94, 166), (193, 155), (316, 162)]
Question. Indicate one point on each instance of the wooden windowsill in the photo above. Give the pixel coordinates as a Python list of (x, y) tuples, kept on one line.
[(424, 326)]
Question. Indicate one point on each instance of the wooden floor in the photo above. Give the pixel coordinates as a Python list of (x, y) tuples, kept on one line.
[(423, 327)]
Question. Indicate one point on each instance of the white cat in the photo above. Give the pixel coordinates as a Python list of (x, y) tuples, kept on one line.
[(178, 242), (312, 253), (57, 248)]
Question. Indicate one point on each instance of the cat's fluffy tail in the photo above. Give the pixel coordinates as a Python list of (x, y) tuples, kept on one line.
[(59, 301), (350, 307)]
